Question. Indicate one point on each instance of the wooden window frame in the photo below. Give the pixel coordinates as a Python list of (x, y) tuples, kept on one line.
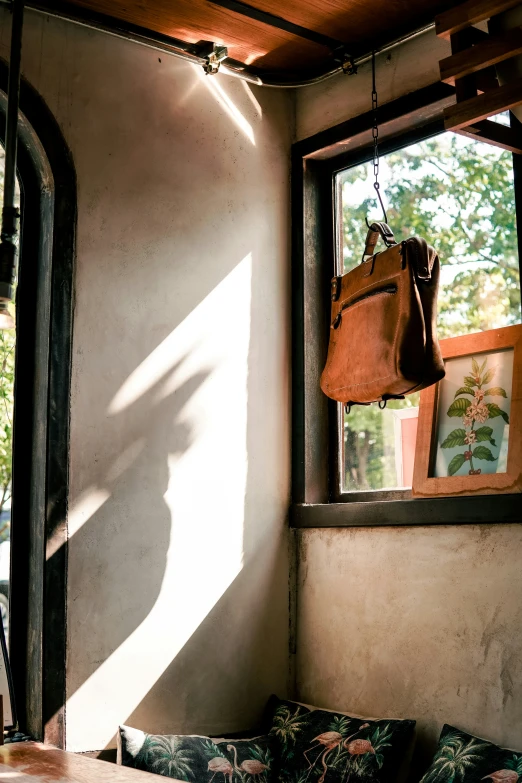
[(317, 500)]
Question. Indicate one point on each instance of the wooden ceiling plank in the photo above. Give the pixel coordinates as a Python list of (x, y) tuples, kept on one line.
[(274, 20), (362, 24), (247, 40), (471, 12), (358, 22)]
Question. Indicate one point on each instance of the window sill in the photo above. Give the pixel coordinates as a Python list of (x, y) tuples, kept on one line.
[(434, 511)]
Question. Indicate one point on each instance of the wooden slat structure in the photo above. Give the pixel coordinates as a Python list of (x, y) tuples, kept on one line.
[(471, 70), (469, 13), (494, 49)]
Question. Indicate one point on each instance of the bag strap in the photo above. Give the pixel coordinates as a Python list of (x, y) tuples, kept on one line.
[(374, 231)]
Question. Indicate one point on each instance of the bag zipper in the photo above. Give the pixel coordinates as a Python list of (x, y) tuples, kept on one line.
[(389, 290)]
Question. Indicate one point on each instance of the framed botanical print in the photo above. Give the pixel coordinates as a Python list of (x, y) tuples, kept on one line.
[(469, 438)]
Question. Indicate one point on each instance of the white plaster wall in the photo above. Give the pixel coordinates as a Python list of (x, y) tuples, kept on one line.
[(177, 585), (404, 69)]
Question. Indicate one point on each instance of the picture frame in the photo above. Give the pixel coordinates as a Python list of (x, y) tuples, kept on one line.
[(469, 436)]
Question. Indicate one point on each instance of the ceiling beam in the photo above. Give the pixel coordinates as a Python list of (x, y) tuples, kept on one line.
[(282, 24)]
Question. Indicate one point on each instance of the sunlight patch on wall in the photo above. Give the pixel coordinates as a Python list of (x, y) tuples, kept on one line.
[(214, 87), (205, 497), (252, 98), (88, 503)]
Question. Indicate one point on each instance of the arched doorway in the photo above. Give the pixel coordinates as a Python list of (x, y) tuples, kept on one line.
[(41, 417)]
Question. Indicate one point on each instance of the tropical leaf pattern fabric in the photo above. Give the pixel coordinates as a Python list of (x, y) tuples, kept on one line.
[(198, 759), (463, 758), (319, 746)]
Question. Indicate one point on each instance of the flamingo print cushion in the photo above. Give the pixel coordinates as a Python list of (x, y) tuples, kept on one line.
[(198, 759), (320, 746), (463, 758)]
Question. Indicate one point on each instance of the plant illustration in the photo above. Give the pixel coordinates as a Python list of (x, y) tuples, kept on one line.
[(453, 759), (256, 768), (286, 726), (210, 748), (474, 414), (167, 756), (264, 755), (341, 724), (362, 756), (510, 774), (332, 745), (515, 764)]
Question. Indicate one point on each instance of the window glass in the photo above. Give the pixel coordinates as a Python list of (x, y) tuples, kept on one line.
[(7, 368), (458, 194)]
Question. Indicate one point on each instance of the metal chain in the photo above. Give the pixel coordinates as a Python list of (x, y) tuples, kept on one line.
[(375, 135)]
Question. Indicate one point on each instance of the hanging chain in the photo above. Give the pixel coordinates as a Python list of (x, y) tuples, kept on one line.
[(375, 135)]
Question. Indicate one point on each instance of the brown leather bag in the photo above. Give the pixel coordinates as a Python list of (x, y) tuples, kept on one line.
[(383, 341)]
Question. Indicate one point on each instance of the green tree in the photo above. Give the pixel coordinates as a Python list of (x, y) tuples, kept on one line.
[(368, 448), (7, 357), (7, 360), (459, 195)]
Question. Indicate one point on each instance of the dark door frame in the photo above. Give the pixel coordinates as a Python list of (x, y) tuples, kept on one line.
[(38, 587)]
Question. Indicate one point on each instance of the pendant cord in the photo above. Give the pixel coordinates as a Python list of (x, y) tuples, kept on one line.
[(375, 136)]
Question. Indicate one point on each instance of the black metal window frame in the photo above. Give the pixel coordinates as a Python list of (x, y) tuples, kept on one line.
[(44, 312), (317, 499)]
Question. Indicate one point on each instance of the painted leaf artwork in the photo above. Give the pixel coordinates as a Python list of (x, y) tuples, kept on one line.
[(473, 419), (474, 411), (318, 746)]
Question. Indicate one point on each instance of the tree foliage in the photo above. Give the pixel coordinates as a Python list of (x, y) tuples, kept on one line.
[(7, 355), (7, 363), (459, 196)]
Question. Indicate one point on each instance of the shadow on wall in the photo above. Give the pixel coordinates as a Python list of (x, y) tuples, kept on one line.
[(177, 585), (187, 613)]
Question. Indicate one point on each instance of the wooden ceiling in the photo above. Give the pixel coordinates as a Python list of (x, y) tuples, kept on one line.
[(361, 24)]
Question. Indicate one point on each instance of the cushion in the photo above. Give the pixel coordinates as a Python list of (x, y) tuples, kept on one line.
[(463, 758), (322, 746), (198, 759)]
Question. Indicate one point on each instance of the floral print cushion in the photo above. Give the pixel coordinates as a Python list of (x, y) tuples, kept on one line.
[(252, 759), (319, 746), (462, 758), (198, 759)]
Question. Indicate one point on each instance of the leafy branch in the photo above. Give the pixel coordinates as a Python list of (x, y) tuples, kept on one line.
[(472, 412)]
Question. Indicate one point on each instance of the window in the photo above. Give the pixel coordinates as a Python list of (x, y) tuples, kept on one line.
[(459, 194), (40, 421), (7, 373), (462, 195)]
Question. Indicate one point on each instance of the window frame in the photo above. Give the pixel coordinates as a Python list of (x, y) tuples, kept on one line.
[(44, 310), (317, 499)]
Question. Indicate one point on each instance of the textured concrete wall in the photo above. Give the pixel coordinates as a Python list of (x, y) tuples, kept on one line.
[(416, 622), (177, 591), (404, 69)]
